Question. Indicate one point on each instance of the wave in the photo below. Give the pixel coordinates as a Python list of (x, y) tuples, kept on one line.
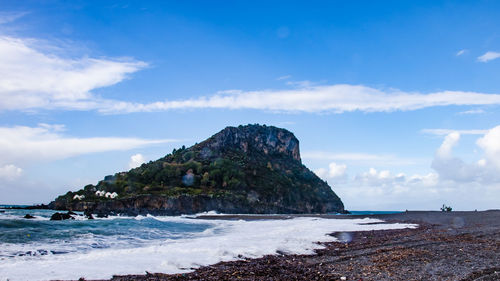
[(217, 240)]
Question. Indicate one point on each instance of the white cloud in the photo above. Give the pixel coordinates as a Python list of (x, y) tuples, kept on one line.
[(10, 172), (374, 177), (365, 158), (473, 111), (463, 185), (321, 172), (31, 78), (486, 57), (136, 160), (330, 98), (444, 132), (385, 178), (426, 192), (461, 52), (23, 145), (285, 123), (428, 180), (335, 171), (485, 170), (284, 77), (7, 17), (444, 151), (452, 168), (383, 190), (455, 182), (300, 84), (490, 143)]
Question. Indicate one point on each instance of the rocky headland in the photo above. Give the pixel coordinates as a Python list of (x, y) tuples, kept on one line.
[(247, 169)]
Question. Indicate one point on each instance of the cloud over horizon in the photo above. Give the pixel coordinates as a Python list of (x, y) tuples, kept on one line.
[(485, 171), (22, 145), (450, 181), (10, 172)]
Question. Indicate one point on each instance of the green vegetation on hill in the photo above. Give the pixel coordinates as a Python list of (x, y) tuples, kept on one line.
[(227, 165)]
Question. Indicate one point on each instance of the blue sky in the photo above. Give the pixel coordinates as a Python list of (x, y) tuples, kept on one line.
[(395, 103)]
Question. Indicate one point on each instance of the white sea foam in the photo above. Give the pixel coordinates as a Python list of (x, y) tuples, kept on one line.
[(224, 241), (13, 216)]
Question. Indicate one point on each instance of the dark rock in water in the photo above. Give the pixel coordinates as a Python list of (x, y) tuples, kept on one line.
[(2, 211), (61, 216), (72, 213), (101, 215), (246, 169), (28, 216), (88, 214)]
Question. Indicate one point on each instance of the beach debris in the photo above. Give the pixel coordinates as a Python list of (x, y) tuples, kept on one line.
[(344, 237), (458, 222)]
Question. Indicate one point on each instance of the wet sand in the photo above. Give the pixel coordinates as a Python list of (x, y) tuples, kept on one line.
[(445, 246)]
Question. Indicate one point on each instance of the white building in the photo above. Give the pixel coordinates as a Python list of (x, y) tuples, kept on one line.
[(111, 195)]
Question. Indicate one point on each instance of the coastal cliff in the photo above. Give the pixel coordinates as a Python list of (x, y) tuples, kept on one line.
[(246, 169)]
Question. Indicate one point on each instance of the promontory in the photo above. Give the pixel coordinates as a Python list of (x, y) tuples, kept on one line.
[(250, 169)]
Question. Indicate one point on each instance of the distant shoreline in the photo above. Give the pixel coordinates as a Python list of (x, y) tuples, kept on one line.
[(446, 246), (25, 207)]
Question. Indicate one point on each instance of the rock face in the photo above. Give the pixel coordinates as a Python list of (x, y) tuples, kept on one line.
[(61, 216), (263, 139), (245, 169)]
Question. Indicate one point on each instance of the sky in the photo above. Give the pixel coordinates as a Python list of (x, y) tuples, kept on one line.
[(396, 103)]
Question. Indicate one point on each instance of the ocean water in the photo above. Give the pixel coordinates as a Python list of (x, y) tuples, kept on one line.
[(40, 249), (364, 213)]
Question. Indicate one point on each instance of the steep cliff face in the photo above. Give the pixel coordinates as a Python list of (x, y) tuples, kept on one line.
[(245, 169), (261, 139)]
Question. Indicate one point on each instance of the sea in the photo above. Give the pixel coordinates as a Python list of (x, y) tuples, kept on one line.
[(41, 249)]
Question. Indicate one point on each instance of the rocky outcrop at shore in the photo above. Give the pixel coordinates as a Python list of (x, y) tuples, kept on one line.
[(245, 169), (61, 216), (185, 204)]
